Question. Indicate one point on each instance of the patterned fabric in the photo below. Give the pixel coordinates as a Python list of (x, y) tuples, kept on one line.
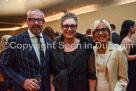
[(40, 49), (17, 63)]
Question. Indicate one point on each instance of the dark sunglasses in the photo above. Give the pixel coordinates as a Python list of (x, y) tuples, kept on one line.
[(73, 26), (39, 20), (103, 30)]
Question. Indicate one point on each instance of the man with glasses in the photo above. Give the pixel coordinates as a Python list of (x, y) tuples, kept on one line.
[(22, 66)]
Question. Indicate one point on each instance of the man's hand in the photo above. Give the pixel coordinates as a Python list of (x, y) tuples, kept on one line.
[(30, 85)]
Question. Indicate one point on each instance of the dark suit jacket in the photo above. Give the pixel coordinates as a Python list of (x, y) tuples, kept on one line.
[(90, 38), (17, 64), (74, 77), (115, 38)]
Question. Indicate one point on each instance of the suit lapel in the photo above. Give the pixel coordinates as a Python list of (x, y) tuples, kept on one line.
[(47, 49), (107, 56), (60, 49), (60, 53), (26, 39)]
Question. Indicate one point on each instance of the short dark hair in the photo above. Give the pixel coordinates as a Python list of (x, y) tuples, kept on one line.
[(57, 34), (88, 31), (113, 26), (67, 16), (48, 31)]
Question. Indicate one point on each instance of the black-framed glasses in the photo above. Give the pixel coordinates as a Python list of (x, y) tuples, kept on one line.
[(103, 30), (33, 20), (73, 26)]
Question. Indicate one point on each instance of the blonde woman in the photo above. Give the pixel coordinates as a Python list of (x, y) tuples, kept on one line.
[(110, 59), (4, 40)]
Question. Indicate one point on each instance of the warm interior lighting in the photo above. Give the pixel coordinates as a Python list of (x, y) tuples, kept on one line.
[(25, 25), (20, 0), (86, 9), (7, 29), (120, 2), (78, 11), (53, 17)]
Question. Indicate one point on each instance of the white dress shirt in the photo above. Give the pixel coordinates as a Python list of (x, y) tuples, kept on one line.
[(34, 41)]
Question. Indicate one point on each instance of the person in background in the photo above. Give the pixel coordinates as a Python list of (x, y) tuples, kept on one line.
[(48, 31), (5, 85), (115, 36), (89, 36), (110, 59), (57, 35), (88, 33), (25, 63), (133, 39), (69, 63), (127, 29), (4, 41)]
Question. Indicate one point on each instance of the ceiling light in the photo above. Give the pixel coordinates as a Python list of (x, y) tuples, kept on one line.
[(125, 2), (6, 0), (53, 17), (86, 9), (78, 11), (7, 29)]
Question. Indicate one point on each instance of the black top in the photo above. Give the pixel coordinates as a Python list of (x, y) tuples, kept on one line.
[(68, 56), (73, 76), (132, 71)]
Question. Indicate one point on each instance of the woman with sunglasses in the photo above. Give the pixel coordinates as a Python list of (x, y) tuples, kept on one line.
[(127, 29), (110, 59), (70, 57)]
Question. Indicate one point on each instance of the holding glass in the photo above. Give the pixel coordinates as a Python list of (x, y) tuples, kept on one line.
[(38, 78)]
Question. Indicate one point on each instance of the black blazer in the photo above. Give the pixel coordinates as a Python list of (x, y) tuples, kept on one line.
[(74, 77), (17, 64), (115, 38)]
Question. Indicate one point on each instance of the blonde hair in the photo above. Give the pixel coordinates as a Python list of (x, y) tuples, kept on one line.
[(96, 23), (4, 41)]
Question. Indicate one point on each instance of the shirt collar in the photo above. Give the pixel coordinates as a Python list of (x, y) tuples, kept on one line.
[(32, 35), (89, 35)]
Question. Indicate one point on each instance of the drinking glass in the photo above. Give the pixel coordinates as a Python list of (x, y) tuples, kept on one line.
[(38, 78)]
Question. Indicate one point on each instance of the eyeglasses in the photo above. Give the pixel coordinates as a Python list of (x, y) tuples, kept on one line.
[(103, 30), (73, 26), (33, 20)]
